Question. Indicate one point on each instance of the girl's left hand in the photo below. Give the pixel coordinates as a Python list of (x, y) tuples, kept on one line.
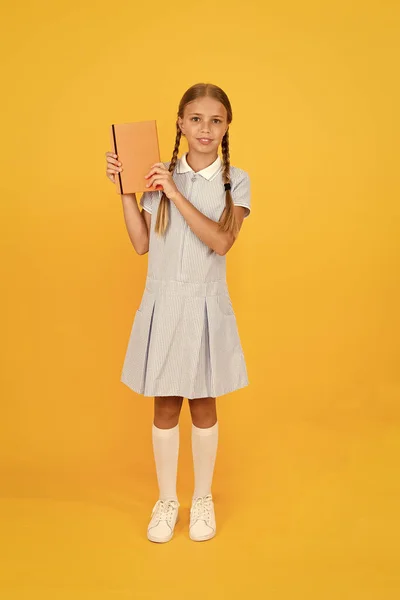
[(159, 175)]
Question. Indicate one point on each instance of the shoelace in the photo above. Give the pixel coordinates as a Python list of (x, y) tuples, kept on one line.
[(201, 508), (164, 509)]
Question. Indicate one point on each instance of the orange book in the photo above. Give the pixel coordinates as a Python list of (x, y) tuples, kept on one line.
[(136, 145)]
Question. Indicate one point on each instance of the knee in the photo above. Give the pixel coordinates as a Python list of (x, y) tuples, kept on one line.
[(203, 412), (167, 410)]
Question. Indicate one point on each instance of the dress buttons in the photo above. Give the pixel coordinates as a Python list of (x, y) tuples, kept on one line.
[(194, 178)]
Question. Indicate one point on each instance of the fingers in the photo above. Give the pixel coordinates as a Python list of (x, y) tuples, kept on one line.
[(112, 158), (113, 165), (112, 161), (154, 179), (157, 168)]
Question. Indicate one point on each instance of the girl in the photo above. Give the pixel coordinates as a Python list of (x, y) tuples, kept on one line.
[(184, 340)]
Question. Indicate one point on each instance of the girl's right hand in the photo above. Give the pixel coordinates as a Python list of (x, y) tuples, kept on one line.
[(113, 165)]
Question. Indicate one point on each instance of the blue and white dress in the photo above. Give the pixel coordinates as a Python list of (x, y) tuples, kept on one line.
[(184, 339)]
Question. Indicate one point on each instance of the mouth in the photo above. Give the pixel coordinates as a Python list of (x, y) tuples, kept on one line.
[(205, 140)]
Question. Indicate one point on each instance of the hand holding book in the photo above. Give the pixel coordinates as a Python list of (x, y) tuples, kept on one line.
[(114, 166), (160, 176)]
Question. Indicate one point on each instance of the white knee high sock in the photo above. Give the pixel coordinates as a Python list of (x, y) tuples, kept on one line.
[(204, 449), (166, 451)]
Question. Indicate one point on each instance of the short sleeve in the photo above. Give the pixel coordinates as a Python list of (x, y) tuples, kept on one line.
[(146, 201), (241, 193)]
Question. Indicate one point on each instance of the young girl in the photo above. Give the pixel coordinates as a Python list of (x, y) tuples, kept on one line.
[(184, 340)]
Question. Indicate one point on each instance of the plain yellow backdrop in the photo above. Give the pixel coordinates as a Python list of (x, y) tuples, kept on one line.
[(306, 482)]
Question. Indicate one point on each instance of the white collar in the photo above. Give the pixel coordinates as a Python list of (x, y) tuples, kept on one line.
[(207, 172)]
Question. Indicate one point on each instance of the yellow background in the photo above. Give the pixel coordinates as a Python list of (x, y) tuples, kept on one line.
[(306, 482)]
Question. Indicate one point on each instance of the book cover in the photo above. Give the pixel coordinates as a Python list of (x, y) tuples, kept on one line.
[(136, 145)]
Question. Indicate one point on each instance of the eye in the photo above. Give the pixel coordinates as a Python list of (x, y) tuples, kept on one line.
[(194, 118), (218, 120)]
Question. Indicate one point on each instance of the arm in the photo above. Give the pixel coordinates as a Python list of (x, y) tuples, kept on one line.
[(137, 223), (206, 229)]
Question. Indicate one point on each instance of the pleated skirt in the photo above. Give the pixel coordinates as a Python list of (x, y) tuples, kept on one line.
[(184, 341)]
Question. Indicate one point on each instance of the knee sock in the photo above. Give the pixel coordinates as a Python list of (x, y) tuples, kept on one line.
[(166, 451), (204, 449)]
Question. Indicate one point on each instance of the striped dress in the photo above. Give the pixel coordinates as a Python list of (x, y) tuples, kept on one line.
[(184, 339)]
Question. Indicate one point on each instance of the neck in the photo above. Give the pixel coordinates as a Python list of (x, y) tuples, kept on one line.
[(198, 160)]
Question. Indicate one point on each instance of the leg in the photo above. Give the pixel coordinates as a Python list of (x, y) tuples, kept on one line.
[(204, 442), (204, 446), (165, 435), (165, 432)]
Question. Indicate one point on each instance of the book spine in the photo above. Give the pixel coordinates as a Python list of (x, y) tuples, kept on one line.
[(114, 137)]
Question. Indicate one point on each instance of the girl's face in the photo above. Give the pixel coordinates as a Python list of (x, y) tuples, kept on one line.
[(204, 119)]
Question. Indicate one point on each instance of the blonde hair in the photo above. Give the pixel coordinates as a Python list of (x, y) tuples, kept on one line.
[(227, 221)]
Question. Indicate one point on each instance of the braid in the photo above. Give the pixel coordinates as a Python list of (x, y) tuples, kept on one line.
[(226, 158), (174, 159), (162, 213), (227, 220)]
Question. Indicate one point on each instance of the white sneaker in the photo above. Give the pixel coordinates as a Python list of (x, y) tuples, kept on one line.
[(202, 519), (164, 516)]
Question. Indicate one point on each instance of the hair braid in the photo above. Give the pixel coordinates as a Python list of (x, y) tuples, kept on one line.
[(226, 157), (162, 213), (174, 158), (228, 219)]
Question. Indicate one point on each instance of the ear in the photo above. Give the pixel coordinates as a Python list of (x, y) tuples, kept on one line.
[(180, 123)]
